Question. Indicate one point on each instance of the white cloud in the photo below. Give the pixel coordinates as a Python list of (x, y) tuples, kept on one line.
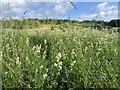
[(63, 7), (6, 1), (11, 8), (87, 17), (47, 12), (105, 12), (102, 5), (49, 9)]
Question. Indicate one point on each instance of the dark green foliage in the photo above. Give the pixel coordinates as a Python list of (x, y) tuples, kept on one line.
[(33, 23), (115, 23)]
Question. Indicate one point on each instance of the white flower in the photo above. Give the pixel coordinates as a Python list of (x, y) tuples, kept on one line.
[(1, 53), (27, 41), (44, 76), (73, 51), (6, 72), (47, 69), (41, 66), (45, 41), (59, 55), (17, 60), (60, 63), (74, 62), (36, 70), (86, 48), (7, 45), (20, 37), (37, 49), (27, 58), (58, 73), (55, 64), (60, 67), (33, 48)]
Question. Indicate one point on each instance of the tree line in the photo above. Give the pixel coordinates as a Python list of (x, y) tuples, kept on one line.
[(32, 23)]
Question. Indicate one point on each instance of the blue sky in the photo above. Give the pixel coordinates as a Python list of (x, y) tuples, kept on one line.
[(84, 11)]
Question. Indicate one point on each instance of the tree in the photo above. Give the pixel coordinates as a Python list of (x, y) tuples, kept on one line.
[(115, 23)]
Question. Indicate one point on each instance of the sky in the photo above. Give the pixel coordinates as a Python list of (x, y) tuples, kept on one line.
[(60, 9)]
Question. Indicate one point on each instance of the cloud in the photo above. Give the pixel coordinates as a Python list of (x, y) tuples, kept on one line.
[(63, 7), (87, 17), (12, 8), (104, 12), (101, 6), (55, 9), (35, 9)]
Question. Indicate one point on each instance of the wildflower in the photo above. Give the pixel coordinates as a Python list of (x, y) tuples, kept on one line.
[(60, 67), (41, 66), (7, 45), (73, 51), (45, 41), (6, 72), (55, 64), (58, 56), (47, 69), (44, 76), (20, 37), (86, 48), (1, 53), (38, 49), (72, 64), (27, 58), (17, 60), (58, 73), (33, 48), (27, 41), (60, 63), (36, 70)]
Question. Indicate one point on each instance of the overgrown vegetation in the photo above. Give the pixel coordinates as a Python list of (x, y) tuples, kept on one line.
[(36, 23), (56, 59)]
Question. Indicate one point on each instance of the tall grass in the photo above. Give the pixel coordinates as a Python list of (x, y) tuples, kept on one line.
[(56, 59)]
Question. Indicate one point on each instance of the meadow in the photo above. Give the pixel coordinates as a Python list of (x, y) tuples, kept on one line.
[(84, 58)]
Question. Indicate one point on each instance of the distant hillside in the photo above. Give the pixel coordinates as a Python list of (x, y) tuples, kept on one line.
[(35, 23)]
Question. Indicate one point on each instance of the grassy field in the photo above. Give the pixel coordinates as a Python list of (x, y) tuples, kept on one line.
[(56, 59)]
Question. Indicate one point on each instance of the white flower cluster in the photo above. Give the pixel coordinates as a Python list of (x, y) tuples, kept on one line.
[(27, 41), (18, 61), (73, 63), (73, 53), (58, 64), (58, 57), (45, 41), (1, 54), (41, 66), (45, 75), (27, 59), (36, 49)]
